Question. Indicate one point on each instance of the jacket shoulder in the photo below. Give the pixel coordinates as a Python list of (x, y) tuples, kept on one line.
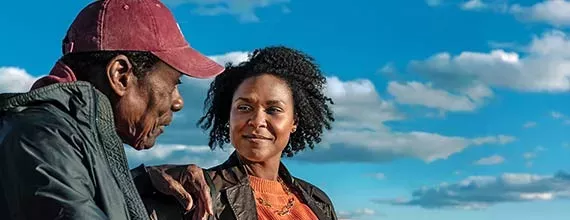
[(37, 118), (314, 191)]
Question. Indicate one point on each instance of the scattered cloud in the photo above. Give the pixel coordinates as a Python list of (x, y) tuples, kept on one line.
[(357, 214), (433, 3), (500, 139), (553, 12), (472, 5), (557, 115), (542, 69), (539, 149), (388, 69), (479, 192), (458, 172), (379, 176), (363, 136), (506, 46), (416, 93), (14, 79), (531, 155), (530, 124), (244, 10), (235, 57), (491, 160), (177, 154)]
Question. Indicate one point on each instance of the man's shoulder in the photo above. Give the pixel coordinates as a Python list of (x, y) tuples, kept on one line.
[(41, 128), (38, 117)]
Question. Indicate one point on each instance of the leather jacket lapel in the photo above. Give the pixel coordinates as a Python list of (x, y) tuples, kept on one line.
[(242, 203)]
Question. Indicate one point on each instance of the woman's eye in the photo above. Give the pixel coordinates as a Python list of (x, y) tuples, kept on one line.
[(243, 108), (273, 110)]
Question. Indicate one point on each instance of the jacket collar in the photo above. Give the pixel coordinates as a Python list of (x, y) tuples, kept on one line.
[(240, 194), (60, 73)]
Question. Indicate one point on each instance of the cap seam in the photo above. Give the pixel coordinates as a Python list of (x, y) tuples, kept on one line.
[(172, 48), (154, 26), (101, 27)]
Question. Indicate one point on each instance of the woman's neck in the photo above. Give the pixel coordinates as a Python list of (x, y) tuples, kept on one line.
[(267, 169)]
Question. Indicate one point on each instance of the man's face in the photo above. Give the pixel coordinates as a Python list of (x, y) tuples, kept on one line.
[(147, 106)]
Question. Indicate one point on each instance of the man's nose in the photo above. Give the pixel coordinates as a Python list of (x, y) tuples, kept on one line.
[(177, 101)]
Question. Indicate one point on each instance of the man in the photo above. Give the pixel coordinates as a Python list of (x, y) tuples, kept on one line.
[(61, 144)]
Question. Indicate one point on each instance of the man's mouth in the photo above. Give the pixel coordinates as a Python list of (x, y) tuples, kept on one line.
[(160, 129)]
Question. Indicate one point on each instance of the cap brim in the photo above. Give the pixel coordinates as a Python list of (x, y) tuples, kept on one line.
[(190, 62)]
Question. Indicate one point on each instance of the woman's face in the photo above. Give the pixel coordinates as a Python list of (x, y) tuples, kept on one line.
[(261, 118)]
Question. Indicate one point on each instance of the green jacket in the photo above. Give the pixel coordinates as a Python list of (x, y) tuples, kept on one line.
[(61, 158), (233, 197)]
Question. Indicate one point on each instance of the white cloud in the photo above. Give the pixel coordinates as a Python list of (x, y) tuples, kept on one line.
[(379, 176), (357, 214), (478, 192), (501, 139), (433, 3), (244, 10), (14, 79), (557, 115), (491, 160), (473, 5), (235, 57), (529, 155), (553, 12), (359, 133), (539, 149), (529, 124), (388, 69), (178, 154), (416, 93), (543, 69)]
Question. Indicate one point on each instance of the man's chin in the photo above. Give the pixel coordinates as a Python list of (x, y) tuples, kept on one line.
[(143, 145)]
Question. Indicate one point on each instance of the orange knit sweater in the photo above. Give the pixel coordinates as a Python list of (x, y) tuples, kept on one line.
[(273, 193)]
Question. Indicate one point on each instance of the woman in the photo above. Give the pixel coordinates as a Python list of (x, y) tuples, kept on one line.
[(267, 107)]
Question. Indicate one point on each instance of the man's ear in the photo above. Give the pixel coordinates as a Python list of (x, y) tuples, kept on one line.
[(120, 74)]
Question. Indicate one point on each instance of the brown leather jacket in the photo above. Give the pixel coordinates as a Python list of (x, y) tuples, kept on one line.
[(233, 197)]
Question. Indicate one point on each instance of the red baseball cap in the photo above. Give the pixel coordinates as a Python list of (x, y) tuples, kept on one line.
[(137, 25)]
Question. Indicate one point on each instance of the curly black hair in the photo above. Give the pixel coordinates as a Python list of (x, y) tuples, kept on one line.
[(304, 78)]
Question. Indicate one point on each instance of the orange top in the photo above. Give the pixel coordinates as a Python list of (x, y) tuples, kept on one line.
[(272, 193)]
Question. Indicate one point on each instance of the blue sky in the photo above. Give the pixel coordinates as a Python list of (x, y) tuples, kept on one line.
[(447, 109)]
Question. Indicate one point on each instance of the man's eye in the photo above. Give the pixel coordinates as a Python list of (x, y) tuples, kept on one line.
[(178, 82)]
